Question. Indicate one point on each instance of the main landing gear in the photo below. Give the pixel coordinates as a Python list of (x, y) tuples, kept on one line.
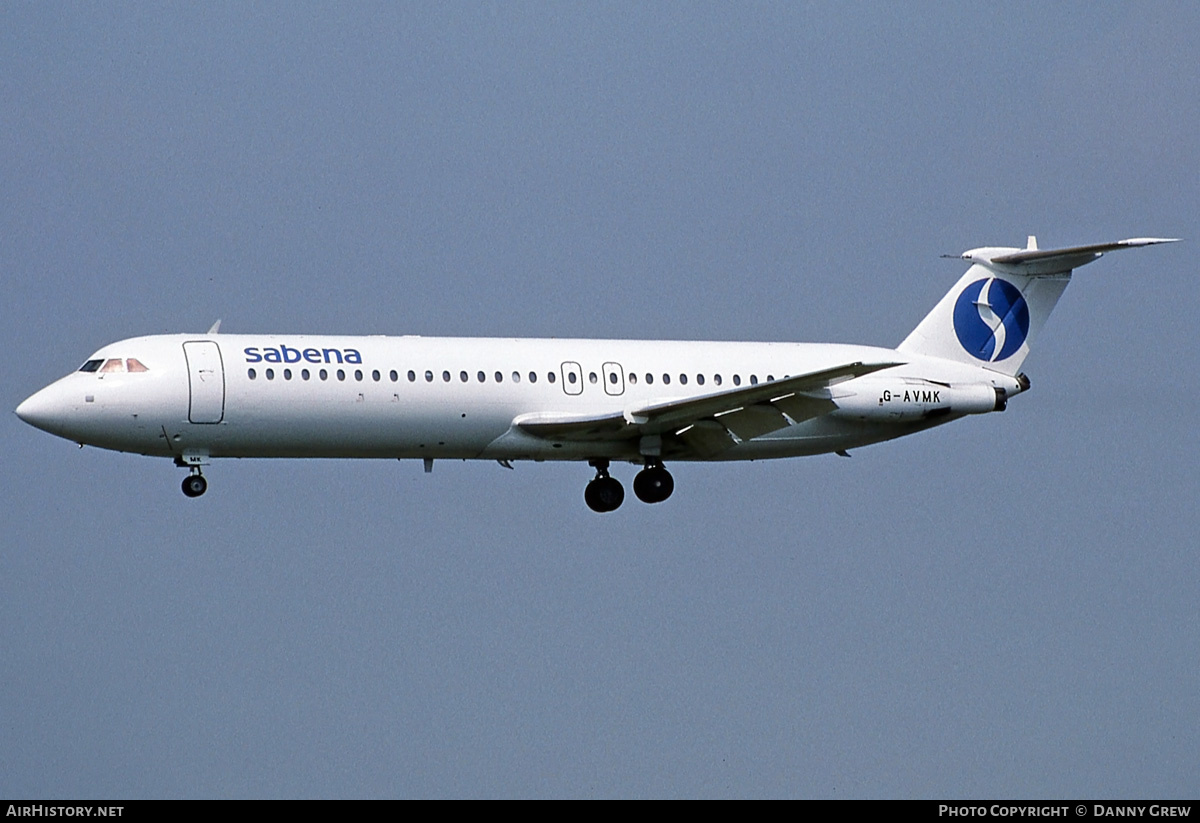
[(604, 493), (653, 484)]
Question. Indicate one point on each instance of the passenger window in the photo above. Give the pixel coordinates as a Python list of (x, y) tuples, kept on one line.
[(717, 379), (754, 380), (700, 379), (612, 378), (737, 380), (571, 378), (666, 379), (499, 377), (683, 379), (412, 376), (270, 374), (481, 377), (375, 375), (428, 376), (550, 376), (516, 377), (592, 377), (91, 365), (251, 373), (633, 378), (341, 374), (770, 378), (135, 365), (462, 375), (392, 374), (287, 374), (324, 374), (445, 377), (533, 377), (649, 379), (304, 373), (358, 374)]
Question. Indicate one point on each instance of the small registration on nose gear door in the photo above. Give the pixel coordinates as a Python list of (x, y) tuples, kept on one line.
[(206, 381)]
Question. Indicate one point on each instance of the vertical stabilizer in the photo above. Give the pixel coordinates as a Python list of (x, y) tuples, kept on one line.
[(996, 310)]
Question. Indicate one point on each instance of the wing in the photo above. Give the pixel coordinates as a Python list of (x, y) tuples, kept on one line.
[(710, 423)]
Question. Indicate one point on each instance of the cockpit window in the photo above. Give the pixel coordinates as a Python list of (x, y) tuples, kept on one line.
[(91, 365), (135, 365), (113, 365)]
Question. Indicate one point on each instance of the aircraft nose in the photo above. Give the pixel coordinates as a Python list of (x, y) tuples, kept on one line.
[(42, 410)]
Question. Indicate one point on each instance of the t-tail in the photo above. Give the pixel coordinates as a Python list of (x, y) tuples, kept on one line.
[(995, 311)]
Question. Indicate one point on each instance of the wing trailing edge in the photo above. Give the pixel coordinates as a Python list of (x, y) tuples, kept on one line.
[(710, 423)]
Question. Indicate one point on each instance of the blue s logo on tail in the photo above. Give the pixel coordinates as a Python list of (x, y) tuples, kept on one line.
[(991, 319)]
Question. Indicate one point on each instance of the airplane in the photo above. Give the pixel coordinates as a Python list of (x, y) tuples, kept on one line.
[(196, 397)]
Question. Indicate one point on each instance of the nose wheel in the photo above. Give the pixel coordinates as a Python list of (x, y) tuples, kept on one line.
[(194, 485), (604, 493)]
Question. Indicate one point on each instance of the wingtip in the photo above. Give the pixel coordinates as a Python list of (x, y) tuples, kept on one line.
[(1148, 241)]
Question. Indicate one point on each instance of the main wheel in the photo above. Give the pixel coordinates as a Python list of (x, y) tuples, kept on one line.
[(604, 494), (653, 484), (194, 485)]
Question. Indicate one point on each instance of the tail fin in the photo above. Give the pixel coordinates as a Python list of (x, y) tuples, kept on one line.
[(997, 308)]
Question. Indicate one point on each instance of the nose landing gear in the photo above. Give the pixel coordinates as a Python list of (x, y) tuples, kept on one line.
[(194, 484), (603, 493)]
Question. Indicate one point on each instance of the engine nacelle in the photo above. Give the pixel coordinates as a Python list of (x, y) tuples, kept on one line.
[(884, 399)]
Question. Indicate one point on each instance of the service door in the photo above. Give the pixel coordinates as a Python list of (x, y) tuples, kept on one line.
[(614, 379), (206, 381)]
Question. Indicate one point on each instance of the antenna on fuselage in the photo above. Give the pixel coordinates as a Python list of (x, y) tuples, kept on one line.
[(216, 327)]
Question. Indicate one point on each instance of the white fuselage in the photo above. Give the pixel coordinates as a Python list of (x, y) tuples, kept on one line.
[(220, 395)]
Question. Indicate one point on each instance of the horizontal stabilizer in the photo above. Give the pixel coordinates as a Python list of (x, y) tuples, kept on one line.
[(1044, 262)]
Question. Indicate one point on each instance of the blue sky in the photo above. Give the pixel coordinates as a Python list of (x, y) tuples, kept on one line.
[(1003, 607)]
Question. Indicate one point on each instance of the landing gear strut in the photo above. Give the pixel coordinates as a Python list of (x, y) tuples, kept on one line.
[(604, 493), (653, 484)]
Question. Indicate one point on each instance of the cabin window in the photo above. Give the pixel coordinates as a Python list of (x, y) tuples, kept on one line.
[(633, 378), (91, 365), (717, 379), (305, 374), (412, 376), (462, 375), (270, 374), (770, 377), (251, 373), (571, 378), (592, 377), (516, 377), (375, 375), (445, 377), (612, 378), (550, 376), (754, 380), (499, 377), (341, 373), (393, 375), (481, 377), (683, 379), (737, 380), (699, 380), (358, 374), (135, 365), (533, 377), (287, 374), (324, 374), (428, 376), (666, 379), (649, 379)]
